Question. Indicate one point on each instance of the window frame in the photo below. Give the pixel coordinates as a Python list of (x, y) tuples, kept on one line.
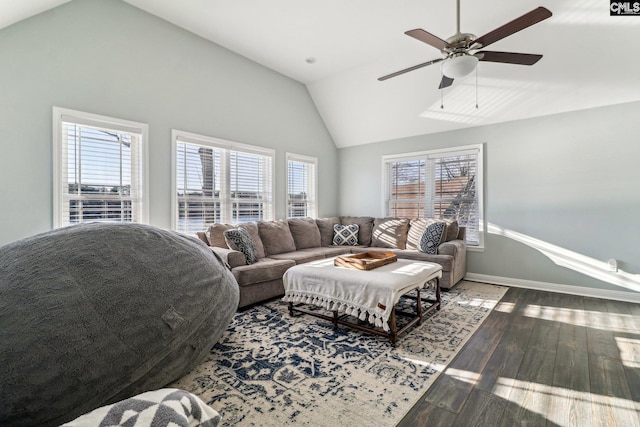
[(312, 203), (180, 136), (61, 115), (440, 152)]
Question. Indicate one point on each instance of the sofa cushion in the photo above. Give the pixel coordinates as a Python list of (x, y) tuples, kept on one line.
[(305, 233), (239, 240), (264, 270), (345, 235), (303, 255), (252, 229), (325, 225), (276, 237), (215, 235), (446, 261), (331, 251), (432, 237), (366, 227), (390, 233)]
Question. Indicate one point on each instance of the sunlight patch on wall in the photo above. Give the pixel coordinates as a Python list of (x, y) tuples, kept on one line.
[(572, 260), (494, 95)]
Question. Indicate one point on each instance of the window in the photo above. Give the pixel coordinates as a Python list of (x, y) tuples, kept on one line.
[(302, 178), (99, 169), (219, 181), (437, 184)]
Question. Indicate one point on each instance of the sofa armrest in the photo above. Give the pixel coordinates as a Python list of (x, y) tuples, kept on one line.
[(452, 247), (231, 257)]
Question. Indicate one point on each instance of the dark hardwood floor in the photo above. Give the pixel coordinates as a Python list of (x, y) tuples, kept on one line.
[(542, 359)]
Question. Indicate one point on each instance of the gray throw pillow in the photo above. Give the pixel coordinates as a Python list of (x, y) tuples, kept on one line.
[(215, 235), (365, 225), (239, 240), (305, 233), (390, 233), (325, 225), (432, 237), (451, 233), (276, 237), (345, 235)]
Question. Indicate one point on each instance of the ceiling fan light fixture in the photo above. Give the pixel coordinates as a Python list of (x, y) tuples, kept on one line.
[(459, 66)]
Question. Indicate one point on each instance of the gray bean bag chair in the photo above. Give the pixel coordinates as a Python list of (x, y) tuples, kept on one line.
[(95, 313)]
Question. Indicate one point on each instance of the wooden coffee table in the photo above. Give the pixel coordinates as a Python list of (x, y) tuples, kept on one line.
[(366, 295)]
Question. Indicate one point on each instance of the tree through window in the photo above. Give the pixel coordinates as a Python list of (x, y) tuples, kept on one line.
[(438, 184)]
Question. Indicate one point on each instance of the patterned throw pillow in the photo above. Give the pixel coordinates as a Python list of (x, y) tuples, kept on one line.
[(238, 239), (432, 237), (345, 235)]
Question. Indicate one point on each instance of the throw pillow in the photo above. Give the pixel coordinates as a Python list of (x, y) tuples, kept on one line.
[(215, 234), (365, 224), (390, 233), (325, 225), (452, 230), (252, 229), (305, 233), (239, 240), (345, 235), (432, 237), (276, 237)]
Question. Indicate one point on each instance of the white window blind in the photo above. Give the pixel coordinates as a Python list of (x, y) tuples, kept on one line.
[(98, 169), (302, 186), (438, 184), (220, 181)]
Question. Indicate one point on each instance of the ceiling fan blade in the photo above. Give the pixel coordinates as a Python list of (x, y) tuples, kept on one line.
[(526, 20), (508, 57), (406, 70), (445, 82), (428, 38)]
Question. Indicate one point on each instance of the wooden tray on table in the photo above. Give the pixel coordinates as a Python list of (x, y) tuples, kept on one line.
[(366, 261)]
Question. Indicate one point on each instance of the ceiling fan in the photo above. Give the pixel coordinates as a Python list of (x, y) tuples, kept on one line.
[(461, 51)]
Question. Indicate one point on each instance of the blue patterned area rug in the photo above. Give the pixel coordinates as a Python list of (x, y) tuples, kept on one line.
[(271, 369)]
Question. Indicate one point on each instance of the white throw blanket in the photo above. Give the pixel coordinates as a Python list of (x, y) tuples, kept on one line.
[(368, 295)]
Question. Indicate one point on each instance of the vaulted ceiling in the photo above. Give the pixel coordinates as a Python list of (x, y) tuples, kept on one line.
[(339, 48)]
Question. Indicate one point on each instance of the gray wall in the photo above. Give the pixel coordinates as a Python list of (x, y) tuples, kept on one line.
[(570, 180), (107, 57)]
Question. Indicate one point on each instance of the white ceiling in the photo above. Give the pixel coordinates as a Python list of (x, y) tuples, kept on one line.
[(590, 58)]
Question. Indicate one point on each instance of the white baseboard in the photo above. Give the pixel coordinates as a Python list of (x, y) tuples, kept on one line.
[(555, 287)]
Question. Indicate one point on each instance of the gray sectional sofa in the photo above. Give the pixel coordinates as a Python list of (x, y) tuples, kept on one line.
[(284, 243)]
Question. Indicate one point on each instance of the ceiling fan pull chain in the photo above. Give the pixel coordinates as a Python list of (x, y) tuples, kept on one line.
[(442, 99), (476, 88)]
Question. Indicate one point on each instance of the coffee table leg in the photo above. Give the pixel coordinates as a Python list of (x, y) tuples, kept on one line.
[(393, 334), (335, 319), (438, 293), (291, 309), (418, 305)]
